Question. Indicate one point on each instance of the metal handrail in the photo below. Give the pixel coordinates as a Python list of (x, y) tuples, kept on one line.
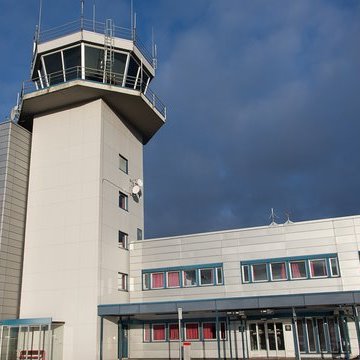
[(96, 27), (94, 75)]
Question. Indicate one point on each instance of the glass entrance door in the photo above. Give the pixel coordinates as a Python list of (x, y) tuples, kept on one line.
[(267, 339)]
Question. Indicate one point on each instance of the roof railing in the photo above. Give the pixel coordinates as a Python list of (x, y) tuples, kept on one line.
[(98, 76), (96, 27)]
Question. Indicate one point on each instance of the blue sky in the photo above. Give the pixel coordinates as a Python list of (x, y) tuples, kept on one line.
[(263, 104)]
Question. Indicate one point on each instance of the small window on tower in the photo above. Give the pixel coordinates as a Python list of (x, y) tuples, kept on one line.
[(123, 201), (123, 164), (123, 240), (139, 234)]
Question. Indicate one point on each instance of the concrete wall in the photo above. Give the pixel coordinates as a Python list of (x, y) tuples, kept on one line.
[(72, 257), (341, 236), (15, 143)]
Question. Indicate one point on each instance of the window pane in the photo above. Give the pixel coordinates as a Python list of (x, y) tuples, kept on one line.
[(318, 268), (159, 332), (146, 281), (94, 63), (173, 279), (139, 234), (219, 275), (253, 337), (259, 272), (123, 240), (334, 267), (262, 339), (118, 68), (209, 331), (278, 271), (322, 338), (222, 331), (271, 336), (132, 72), (54, 68), (122, 281), (123, 201), (157, 280), (280, 336), (207, 276), (246, 277), (72, 63), (190, 278), (192, 331), (173, 332), (123, 164), (298, 269), (146, 332), (311, 335), (301, 335)]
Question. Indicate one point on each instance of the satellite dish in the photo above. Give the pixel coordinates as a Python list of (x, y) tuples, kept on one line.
[(136, 189), (139, 182)]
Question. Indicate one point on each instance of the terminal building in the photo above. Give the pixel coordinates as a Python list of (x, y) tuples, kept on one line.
[(77, 278)]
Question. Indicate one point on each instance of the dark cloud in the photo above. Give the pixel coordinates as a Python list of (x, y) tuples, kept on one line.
[(264, 107)]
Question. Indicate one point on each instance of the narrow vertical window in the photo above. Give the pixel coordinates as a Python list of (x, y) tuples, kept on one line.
[(173, 332), (146, 281), (334, 267), (219, 276), (122, 282), (139, 234), (123, 201), (147, 333), (245, 273), (123, 164), (123, 240), (222, 331)]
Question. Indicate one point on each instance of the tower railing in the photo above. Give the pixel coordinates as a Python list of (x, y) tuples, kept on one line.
[(97, 76), (97, 27)]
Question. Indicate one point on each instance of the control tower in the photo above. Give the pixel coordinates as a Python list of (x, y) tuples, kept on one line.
[(90, 109)]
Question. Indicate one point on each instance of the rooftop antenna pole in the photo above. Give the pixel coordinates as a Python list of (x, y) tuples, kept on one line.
[(272, 217), (134, 32), (82, 14), (132, 17), (94, 12), (39, 22)]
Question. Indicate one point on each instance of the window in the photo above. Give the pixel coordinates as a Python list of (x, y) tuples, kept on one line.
[(139, 234), (159, 332), (318, 268), (123, 164), (334, 267), (157, 280), (72, 63), (209, 331), (173, 332), (146, 281), (278, 271), (219, 276), (245, 271), (295, 268), (94, 63), (259, 272), (192, 331), (54, 68), (298, 269), (123, 201), (222, 331), (189, 278), (147, 333), (173, 279), (206, 276), (122, 282), (123, 240)]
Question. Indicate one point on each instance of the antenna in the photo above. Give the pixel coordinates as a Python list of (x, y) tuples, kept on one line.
[(39, 21), (94, 11), (132, 16), (288, 221), (82, 13), (134, 32), (273, 216)]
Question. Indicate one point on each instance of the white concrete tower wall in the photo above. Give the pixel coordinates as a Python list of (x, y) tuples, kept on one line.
[(72, 258)]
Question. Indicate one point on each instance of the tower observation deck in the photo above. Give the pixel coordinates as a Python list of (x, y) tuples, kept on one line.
[(84, 60)]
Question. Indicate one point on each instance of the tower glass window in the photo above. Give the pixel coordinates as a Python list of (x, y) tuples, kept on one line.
[(72, 62), (123, 201), (94, 63), (54, 68)]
